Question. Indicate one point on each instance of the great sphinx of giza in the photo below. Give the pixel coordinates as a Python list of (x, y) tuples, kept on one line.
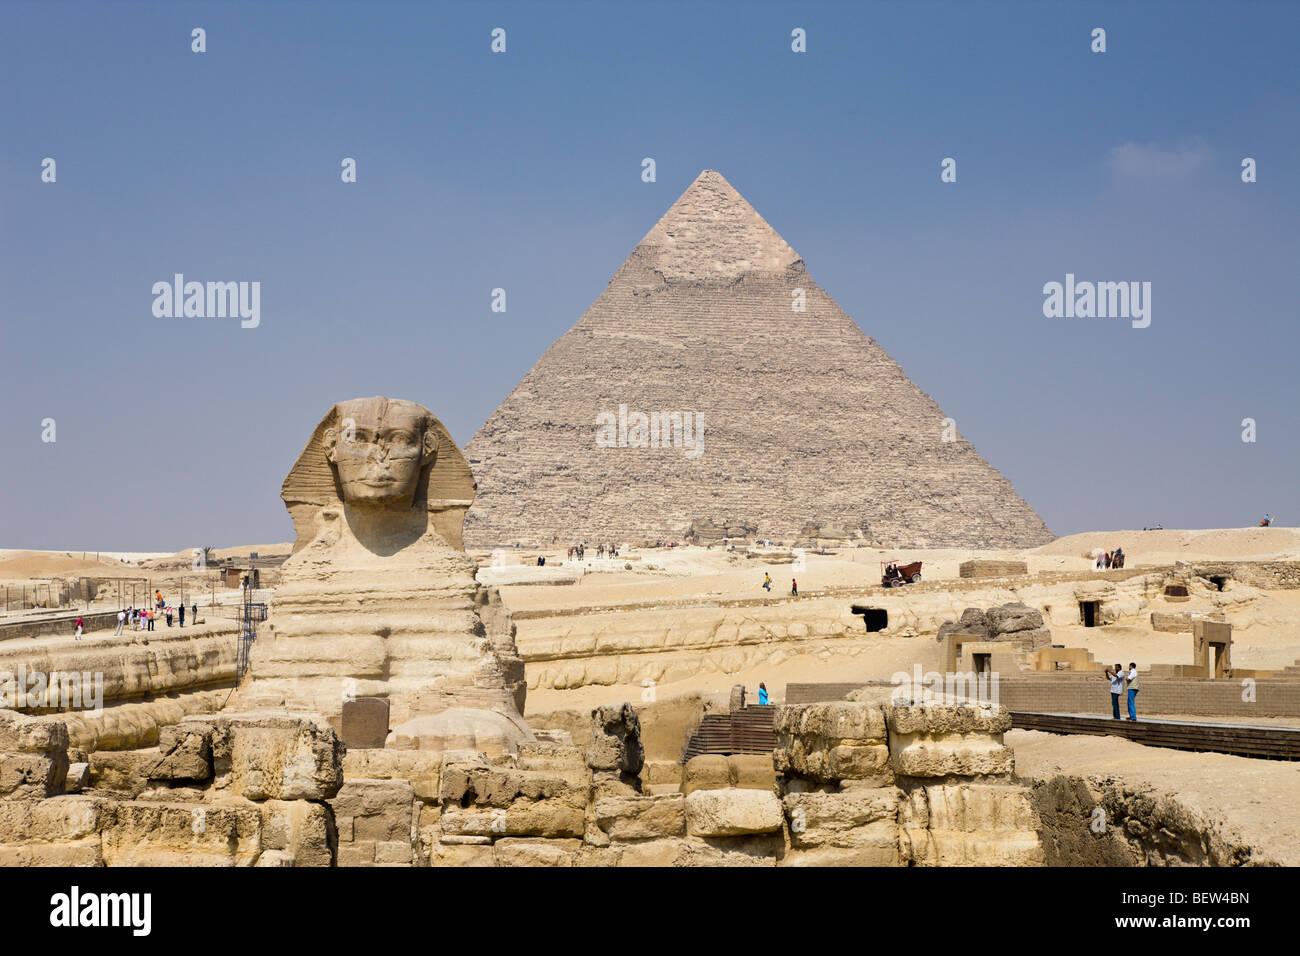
[(379, 598)]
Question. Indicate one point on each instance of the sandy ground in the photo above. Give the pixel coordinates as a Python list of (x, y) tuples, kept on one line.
[(1257, 798)]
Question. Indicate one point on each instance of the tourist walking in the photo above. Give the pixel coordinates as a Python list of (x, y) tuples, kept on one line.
[(1116, 677), (794, 587), (1132, 690), (121, 622), (80, 627), (152, 612), (180, 612), (767, 582), (762, 695)]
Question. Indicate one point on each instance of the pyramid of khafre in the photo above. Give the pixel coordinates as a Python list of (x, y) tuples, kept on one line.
[(789, 424)]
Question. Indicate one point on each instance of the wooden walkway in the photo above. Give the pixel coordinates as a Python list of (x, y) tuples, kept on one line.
[(745, 731), (1246, 740)]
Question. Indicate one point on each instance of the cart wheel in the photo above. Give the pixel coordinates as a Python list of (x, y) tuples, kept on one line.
[(896, 583), (916, 577)]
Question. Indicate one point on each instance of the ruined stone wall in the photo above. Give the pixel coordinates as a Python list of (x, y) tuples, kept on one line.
[(850, 783), (1259, 574), (237, 789)]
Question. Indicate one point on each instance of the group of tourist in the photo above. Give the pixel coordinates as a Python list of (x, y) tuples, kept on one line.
[(1110, 559), (144, 618), (1121, 681)]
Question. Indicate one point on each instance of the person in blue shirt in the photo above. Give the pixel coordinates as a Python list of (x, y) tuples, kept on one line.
[(762, 695)]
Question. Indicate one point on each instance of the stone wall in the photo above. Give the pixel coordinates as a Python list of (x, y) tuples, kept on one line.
[(850, 783), (224, 790), (59, 624), (1259, 574)]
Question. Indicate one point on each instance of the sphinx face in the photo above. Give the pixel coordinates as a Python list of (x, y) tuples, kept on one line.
[(378, 449)]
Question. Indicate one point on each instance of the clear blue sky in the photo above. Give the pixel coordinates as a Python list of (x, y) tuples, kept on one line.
[(522, 171)]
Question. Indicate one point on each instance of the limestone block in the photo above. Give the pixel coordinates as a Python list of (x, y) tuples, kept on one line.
[(78, 777), (1010, 618), (84, 852), (141, 833), (606, 784), (356, 854), (965, 755), (841, 720), (1173, 623), (377, 812), (642, 818), (588, 855), (615, 740), (121, 771), (958, 848), (718, 771), (546, 755), (913, 717), (185, 754), (867, 855), (848, 819), (543, 818), (22, 733), (812, 758), (970, 824), (393, 852), (476, 783), (706, 772), (419, 767), (454, 855), (752, 850), (301, 830), (832, 741), (970, 807), (56, 820), (652, 853), (667, 773), (32, 775), (732, 812), (938, 739), (751, 771), (513, 851), (273, 756)]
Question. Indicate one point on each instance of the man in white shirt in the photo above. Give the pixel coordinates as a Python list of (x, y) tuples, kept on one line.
[(121, 622), (1116, 676)]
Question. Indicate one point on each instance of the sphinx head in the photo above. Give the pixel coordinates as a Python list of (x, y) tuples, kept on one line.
[(378, 448)]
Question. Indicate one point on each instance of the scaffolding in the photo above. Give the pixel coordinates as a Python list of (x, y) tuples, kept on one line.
[(250, 613)]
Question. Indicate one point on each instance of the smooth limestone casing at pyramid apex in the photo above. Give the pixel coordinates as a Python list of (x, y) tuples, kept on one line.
[(807, 422)]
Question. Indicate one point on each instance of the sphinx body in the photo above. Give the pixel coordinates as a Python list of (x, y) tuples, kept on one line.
[(378, 598)]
